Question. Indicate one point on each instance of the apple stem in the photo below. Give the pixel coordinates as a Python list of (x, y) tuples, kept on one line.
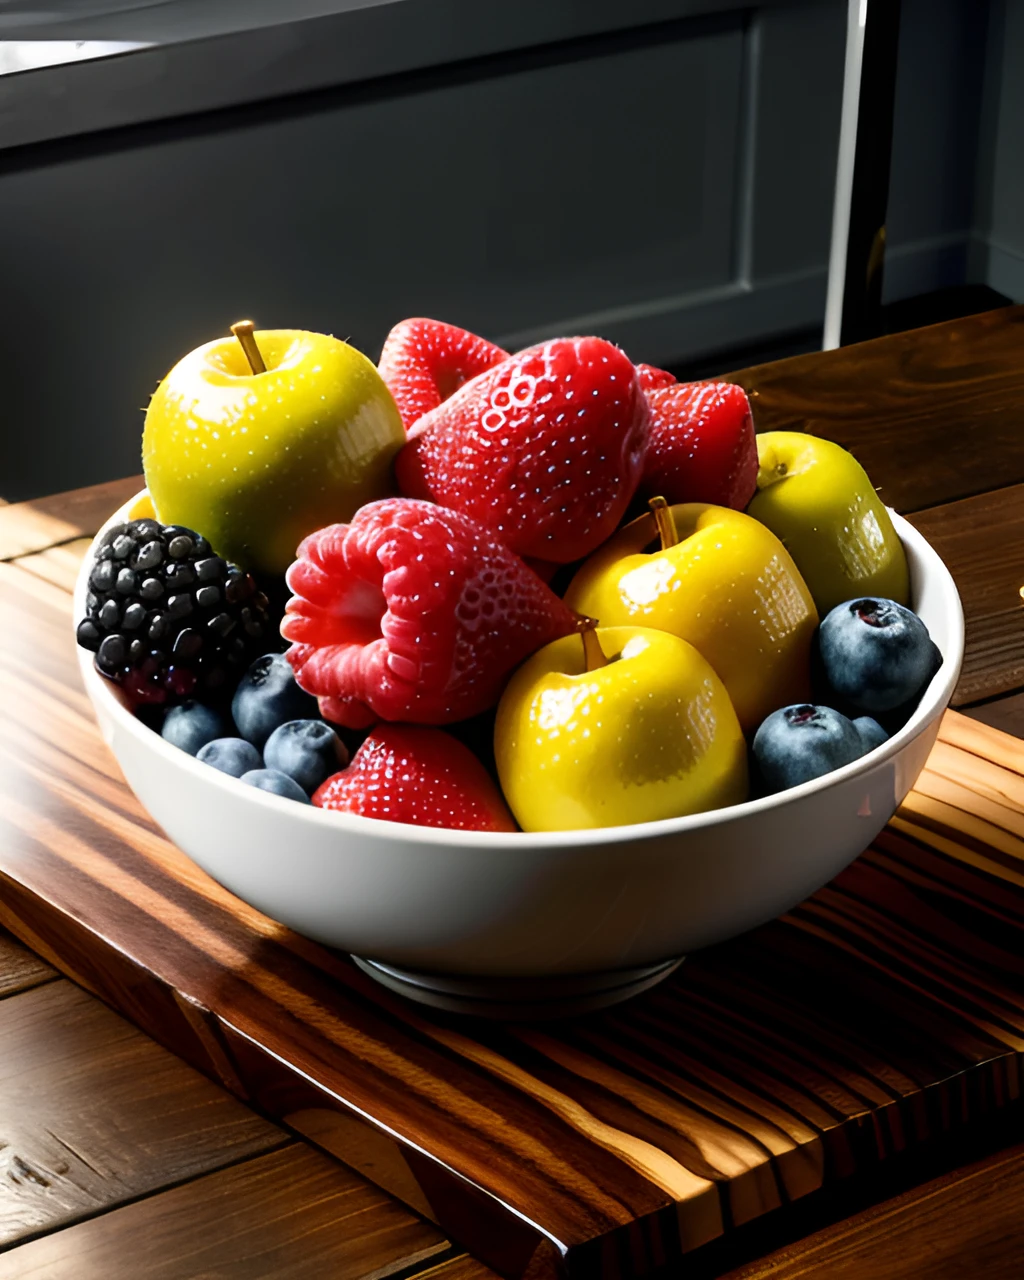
[(665, 521), (593, 655), (243, 331), (770, 467)]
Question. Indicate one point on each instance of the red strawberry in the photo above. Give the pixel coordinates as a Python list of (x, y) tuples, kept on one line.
[(404, 773), (702, 446), (413, 613), (544, 569), (651, 378), (546, 449), (424, 361)]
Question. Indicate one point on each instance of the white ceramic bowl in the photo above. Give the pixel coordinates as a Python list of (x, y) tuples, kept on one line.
[(503, 923)]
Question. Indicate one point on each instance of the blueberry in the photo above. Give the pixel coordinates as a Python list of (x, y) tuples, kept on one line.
[(876, 655), (307, 750), (192, 725), (279, 784), (267, 696), (803, 742), (871, 732), (231, 755)]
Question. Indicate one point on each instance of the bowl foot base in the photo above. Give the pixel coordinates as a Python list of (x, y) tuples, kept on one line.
[(562, 996)]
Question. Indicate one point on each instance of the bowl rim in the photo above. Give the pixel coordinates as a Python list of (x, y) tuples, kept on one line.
[(933, 703)]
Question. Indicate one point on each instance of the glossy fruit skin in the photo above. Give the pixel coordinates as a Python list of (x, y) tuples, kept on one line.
[(233, 756), (278, 784), (817, 498), (191, 725), (876, 655), (545, 449), (257, 461), (652, 378), (651, 735), (728, 587), (798, 743), (702, 446), (406, 773), (871, 732), (142, 508), (307, 751), (168, 619), (268, 696), (425, 361), (413, 613)]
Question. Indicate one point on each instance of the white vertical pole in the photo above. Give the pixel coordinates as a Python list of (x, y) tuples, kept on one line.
[(856, 19)]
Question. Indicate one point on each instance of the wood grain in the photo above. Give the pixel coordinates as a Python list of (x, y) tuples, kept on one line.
[(289, 1213), (461, 1268), (989, 572), (760, 1073), (932, 414), (92, 1113), (19, 968), (71, 820), (1006, 713), (966, 1224), (27, 527), (57, 565), (884, 1013)]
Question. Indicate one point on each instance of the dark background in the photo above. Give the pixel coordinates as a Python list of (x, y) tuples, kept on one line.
[(657, 172)]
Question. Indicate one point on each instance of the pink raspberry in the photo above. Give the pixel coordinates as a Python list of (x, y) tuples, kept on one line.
[(413, 613)]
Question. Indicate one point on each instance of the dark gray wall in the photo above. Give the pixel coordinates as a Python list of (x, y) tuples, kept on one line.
[(956, 208), (937, 135), (998, 247), (670, 189)]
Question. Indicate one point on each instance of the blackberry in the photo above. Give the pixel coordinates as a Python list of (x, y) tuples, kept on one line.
[(166, 618)]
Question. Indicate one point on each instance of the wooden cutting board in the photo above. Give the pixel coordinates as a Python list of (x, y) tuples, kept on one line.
[(885, 1012)]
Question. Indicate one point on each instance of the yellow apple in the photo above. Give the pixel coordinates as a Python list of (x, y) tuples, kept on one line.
[(640, 729), (728, 586), (142, 507), (817, 498), (255, 461)]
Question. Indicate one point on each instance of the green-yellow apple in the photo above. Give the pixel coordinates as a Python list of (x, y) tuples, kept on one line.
[(617, 726), (255, 461), (720, 580), (817, 498)]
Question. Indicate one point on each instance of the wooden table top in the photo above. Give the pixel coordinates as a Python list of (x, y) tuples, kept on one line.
[(113, 1148)]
